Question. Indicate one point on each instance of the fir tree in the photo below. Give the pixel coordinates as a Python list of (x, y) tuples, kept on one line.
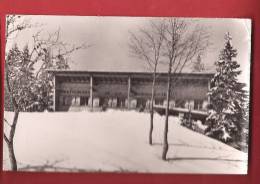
[(44, 81), (61, 63), (198, 66), (227, 96), (12, 58), (21, 78)]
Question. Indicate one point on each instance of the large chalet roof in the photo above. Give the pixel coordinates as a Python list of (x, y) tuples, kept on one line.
[(71, 73)]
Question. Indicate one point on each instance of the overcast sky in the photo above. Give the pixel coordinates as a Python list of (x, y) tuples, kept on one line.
[(109, 37)]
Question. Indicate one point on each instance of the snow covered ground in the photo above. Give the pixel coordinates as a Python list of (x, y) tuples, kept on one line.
[(116, 141)]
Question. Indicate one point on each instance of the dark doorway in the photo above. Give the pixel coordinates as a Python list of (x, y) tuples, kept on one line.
[(83, 101), (141, 103), (121, 102), (103, 102)]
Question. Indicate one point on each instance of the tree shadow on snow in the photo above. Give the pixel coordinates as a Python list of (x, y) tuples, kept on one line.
[(188, 145), (204, 158), (49, 167), (183, 144), (52, 167)]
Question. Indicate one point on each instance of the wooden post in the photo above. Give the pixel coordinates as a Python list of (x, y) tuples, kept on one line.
[(128, 92), (54, 93), (208, 91), (189, 118), (91, 91)]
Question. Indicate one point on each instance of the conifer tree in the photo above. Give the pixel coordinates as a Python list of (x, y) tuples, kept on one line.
[(198, 66), (227, 96), (44, 81), (21, 77)]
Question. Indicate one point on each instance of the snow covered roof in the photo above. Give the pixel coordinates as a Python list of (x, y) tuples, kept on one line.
[(127, 73)]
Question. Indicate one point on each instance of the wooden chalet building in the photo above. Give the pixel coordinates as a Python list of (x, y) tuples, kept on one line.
[(81, 90)]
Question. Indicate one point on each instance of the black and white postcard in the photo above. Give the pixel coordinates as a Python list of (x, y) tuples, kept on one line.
[(126, 94)]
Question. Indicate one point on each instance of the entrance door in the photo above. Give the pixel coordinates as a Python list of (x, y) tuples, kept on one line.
[(141, 103), (83, 101), (103, 102), (121, 102)]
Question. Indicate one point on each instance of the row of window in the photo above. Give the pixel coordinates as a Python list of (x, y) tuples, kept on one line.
[(86, 92), (134, 103)]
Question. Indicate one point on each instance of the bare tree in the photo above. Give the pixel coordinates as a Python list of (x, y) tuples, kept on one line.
[(183, 42), (147, 46), (20, 94)]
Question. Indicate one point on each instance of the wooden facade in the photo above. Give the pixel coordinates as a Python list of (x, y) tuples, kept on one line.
[(78, 90)]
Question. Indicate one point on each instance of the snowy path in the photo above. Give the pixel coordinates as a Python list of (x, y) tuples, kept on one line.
[(116, 141)]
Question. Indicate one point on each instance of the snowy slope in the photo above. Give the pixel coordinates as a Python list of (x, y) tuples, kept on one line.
[(116, 141)]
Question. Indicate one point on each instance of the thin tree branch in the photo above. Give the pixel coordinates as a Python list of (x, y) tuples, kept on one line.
[(7, 122), (6, 139)]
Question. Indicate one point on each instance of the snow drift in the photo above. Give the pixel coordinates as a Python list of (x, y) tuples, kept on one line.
[(116, 141)]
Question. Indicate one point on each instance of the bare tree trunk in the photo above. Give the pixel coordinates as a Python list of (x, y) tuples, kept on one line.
[(151, 127), (12, 156), (165, 135), (152, 110), (10, 142)]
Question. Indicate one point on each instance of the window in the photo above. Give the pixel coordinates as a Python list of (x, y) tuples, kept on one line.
[(75, 101), (121, 102), (158, 101), (83, 101), (180, 103), (64, 100), (198, 104)]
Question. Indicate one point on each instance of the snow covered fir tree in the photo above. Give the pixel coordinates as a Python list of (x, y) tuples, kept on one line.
[(198, 65), (227, 115), (20, 75), (30, 86)]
